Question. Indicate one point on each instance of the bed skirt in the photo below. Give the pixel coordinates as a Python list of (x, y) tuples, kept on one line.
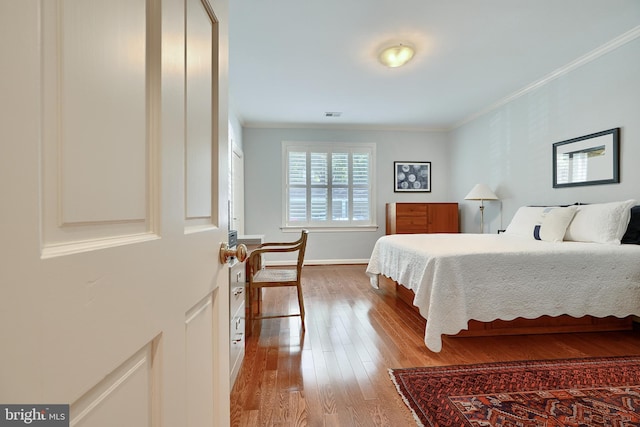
[(522, 326)]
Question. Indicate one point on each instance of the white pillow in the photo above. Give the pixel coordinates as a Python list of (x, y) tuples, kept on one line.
[(524, 220), (554, 224), (541, 223), (600, 222)]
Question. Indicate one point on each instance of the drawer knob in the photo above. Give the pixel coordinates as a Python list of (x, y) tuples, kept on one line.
[(238, 338)]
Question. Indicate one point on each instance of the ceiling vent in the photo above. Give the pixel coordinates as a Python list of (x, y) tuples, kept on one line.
[(332, 114)]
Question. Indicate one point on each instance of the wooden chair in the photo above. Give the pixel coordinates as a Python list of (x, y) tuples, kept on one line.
[(260, 277)]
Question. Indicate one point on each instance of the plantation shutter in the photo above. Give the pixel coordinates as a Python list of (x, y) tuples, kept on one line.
[(328, 185)]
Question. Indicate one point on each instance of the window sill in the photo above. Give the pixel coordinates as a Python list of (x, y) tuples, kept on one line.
[(329, 229)]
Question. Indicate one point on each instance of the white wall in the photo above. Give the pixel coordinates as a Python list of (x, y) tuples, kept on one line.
[(510, 148), (263, 183)]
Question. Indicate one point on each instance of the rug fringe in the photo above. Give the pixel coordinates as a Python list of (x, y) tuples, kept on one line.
[(406, 401)]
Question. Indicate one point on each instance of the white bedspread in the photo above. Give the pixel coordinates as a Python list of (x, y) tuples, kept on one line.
[(459, 277)]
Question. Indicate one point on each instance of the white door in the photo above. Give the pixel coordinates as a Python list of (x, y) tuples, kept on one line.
[(113, 160)]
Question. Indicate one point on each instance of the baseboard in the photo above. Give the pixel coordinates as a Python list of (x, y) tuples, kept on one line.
[(321, 262), (336, 261)]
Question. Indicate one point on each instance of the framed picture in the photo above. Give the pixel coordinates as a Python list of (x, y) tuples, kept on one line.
[(587, 160), (412, 177)]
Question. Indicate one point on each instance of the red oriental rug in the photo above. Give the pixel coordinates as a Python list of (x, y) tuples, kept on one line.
[(570, 392)]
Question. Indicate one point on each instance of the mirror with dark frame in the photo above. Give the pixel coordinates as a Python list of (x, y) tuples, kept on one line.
[(587, 160)]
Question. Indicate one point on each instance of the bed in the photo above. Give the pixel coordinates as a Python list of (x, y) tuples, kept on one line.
[(530, 271)]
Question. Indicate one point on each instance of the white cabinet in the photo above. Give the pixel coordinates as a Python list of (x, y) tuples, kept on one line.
[(237, 293)]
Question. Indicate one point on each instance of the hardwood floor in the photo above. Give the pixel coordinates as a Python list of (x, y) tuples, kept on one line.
[(336, 373)]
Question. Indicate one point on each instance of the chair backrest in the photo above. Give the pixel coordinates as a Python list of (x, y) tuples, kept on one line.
[(303, 247), (300, 246)]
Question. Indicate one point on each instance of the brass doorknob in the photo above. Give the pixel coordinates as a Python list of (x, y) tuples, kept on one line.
[(239, 252)]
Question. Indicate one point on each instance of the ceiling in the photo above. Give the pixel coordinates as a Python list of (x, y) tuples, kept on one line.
[(291, 61)]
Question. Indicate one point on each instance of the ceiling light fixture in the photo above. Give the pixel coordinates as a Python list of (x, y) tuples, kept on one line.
[(396, 56)]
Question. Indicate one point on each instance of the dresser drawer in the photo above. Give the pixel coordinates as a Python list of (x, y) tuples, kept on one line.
[(236, 347), (237, 286), (411, 210), (411, 221), (237, 295), (411, 227)]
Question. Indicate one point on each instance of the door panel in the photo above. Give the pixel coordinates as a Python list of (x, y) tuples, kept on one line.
[(101, 264), (198, 326), (101, 52), (131, 385), (100, 61), (199, 99)]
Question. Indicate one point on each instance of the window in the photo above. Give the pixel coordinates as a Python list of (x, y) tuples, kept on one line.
[(328, 185)]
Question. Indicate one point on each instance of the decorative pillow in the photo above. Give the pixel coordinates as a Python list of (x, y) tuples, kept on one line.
[(600, 222), (524, 220), (632, 235), (541, 223), (554, 223)]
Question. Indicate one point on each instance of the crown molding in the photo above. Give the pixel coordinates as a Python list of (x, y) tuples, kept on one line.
[(610, 46)]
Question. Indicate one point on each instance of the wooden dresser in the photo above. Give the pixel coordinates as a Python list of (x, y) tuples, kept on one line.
[(408, 218)]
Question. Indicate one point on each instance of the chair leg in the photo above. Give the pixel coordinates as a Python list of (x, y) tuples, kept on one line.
[(258, 299), (250, 310), (301, 304)]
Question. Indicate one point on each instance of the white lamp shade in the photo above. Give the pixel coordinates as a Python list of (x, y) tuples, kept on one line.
[(481, 192)]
